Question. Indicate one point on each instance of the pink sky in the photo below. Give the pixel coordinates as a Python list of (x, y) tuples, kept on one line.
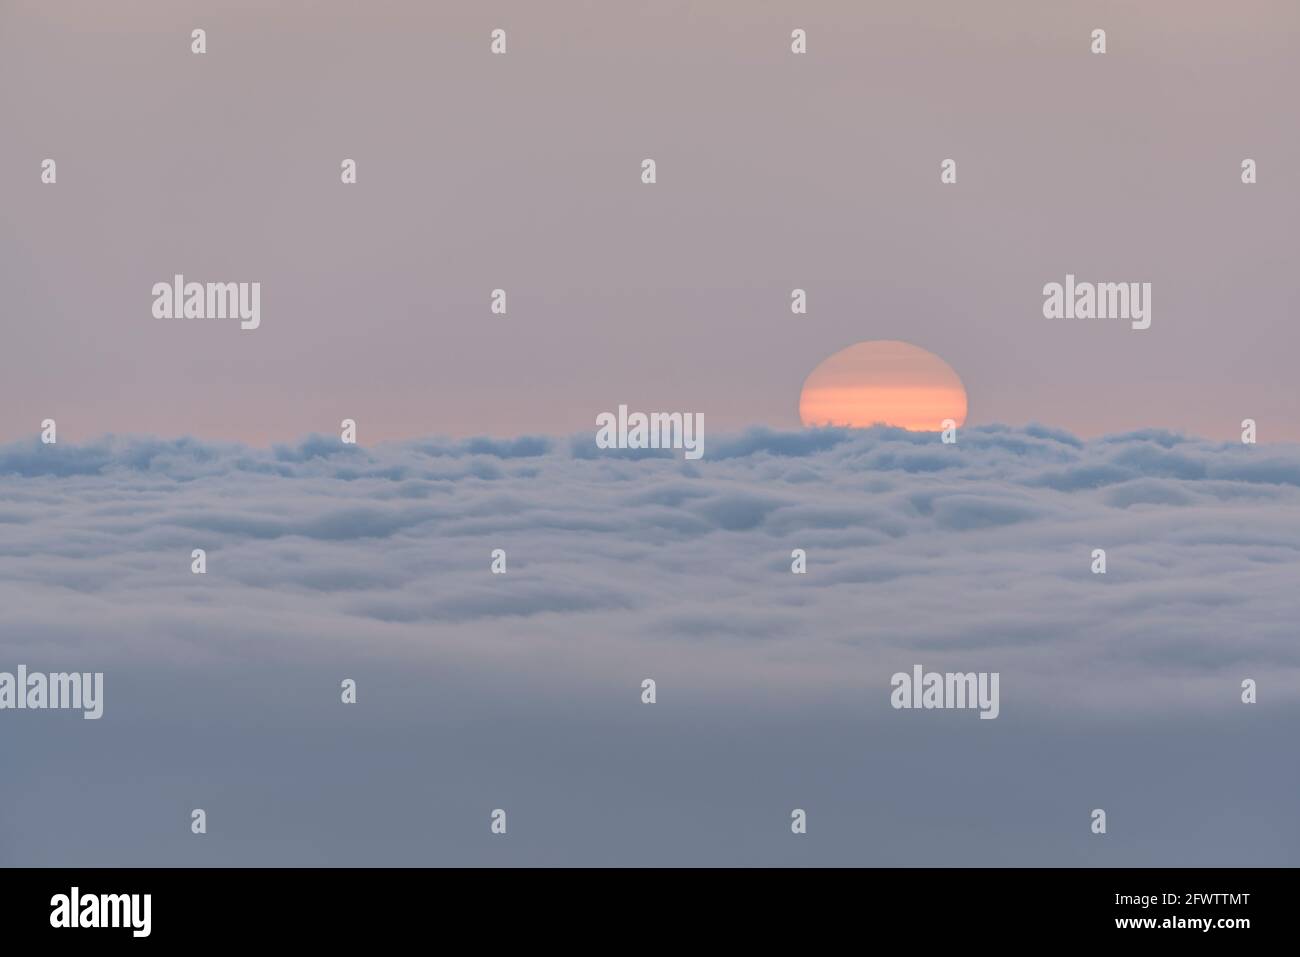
[(522, 172)]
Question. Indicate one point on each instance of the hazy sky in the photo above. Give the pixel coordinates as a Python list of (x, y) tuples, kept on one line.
[(522, 172), (521, 691)]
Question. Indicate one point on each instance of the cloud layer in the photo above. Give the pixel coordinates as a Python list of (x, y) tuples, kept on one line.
[(523, 690), (973, 556)]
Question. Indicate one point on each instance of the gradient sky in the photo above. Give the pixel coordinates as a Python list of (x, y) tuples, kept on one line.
[(522, 172), (521, 691)]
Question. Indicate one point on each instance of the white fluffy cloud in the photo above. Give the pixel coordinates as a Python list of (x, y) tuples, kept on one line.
[(971, 557)]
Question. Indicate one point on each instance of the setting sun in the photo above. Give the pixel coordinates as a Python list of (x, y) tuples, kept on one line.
[(883, 382)]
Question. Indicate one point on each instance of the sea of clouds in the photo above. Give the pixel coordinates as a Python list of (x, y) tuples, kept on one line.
[(328, 561), (973, 556)]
